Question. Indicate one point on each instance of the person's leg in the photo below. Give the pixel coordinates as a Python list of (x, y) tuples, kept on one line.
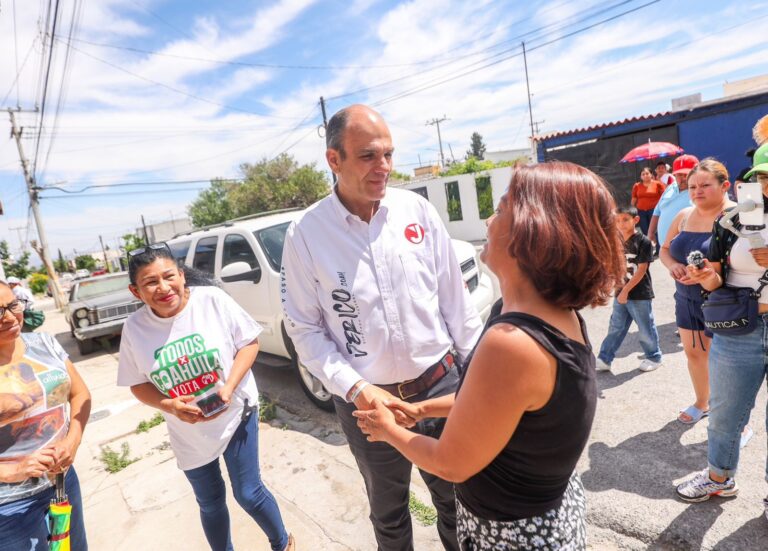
[(211, 494), (618, 327), (442, 492), (76, 522), (737, 370), (242, 459), (696, 346), (645, 220), (641, 312), (24, 523), (387, 477)]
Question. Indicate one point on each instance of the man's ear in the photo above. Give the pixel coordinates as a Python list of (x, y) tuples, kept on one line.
[(334, 159), (636, 220)]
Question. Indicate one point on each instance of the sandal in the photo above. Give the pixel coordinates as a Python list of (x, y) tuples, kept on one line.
[(694, 413)]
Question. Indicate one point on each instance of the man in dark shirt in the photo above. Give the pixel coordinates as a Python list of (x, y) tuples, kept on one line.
[(633, 299)]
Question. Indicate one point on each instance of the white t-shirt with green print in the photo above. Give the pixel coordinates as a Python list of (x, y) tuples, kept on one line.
[(189, 354)]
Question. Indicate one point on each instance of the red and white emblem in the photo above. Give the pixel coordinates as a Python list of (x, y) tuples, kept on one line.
[(414, 233), (183, 360)]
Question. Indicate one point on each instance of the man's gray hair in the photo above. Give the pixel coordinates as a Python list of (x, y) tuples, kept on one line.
[(334, 132)]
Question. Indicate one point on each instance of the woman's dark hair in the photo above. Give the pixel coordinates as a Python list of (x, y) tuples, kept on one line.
[(193, 276), (564, 234)]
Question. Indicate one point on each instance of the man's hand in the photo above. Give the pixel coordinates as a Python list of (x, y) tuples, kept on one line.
[(761, 256), (181, 408), (377, 422), (413, 412), (365, 401)]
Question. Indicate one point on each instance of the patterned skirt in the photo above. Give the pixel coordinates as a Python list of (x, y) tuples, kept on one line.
[(562, 529)]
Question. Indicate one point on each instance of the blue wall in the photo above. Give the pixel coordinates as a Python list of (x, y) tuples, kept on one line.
[(725, 136)]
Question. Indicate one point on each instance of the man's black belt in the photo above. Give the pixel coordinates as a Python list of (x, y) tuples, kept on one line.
[(425, 381)]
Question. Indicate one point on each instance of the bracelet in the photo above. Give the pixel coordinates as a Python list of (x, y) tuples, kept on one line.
[(357, 391)]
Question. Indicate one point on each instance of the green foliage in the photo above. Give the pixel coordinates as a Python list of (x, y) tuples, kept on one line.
[(132, 241), (484, 196), (453, 197), (144, 426), (60, 265), (115, 462), (267, 409), (85, 262), (279, 183), (472, 165), (212, 205), (476, 147), (38, 283), (18, 268), (395, 175), (425, 514)]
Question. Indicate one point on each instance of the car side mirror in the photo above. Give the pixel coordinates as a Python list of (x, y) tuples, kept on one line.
[(240, 271)]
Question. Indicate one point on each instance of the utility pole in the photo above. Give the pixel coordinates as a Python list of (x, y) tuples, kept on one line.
[(436, 122), (144, 225), (18, 233), (104, 252), (534, 152), (325, 127), (34, 203)]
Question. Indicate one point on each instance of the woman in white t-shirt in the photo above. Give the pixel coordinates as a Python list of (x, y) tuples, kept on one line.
[(189, 354)]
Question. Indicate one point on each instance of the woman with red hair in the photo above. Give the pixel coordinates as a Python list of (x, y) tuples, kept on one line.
[(526, 401)]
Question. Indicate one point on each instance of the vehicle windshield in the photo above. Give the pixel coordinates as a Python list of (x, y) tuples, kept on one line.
[(97, 287), (272, 240)]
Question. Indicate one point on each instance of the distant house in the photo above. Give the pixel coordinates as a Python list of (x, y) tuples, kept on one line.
[(466, 201), (163, 231), (721, 128)]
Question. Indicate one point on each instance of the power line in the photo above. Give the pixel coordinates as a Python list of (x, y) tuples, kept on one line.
[(174, 89), (45, 87), (18, 74), (435, 82), (122, 184), (15, 53), (122, 193)]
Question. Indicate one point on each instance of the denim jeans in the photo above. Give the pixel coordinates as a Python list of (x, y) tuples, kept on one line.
[(24, 522), (242, 459), (641, 312), (737, 369)]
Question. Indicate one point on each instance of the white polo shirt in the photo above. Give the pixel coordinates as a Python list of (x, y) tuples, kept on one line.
[(380, 301)]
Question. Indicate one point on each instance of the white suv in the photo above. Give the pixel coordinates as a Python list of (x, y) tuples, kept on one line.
[(245, 255)]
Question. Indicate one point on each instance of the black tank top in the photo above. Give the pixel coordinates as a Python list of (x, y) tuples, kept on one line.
[(530, 475)]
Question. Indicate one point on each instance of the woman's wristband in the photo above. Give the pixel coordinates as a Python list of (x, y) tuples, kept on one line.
[(357, 391)]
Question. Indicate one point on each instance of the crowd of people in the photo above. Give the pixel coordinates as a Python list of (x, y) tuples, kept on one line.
[(495, 417)]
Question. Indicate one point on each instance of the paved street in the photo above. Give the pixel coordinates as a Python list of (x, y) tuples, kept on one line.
[(636, 451)]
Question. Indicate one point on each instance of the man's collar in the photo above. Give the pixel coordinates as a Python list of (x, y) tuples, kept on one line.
[(346, 217)]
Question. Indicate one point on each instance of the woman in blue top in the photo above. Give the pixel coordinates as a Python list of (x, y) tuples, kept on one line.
[(691, 230), (44, 405)]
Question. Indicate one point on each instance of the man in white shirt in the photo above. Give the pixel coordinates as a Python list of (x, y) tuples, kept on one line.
[(21, 293), (375, 302)]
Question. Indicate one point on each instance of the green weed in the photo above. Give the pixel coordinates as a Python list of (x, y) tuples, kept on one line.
[(425, 514), (115, 462), (267, 409), (144, 426)]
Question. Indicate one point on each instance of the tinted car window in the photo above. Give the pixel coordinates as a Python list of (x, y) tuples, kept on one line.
[(205, 254), (272, 240), (237, 249), (179, 250)]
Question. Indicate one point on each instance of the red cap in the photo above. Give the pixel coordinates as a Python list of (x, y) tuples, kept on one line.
[(684, 164)]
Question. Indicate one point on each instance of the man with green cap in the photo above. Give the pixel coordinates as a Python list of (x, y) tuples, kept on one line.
[(760, 167)]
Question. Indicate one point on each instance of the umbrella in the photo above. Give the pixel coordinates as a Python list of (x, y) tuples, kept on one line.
[(651, 150), (59, 516)]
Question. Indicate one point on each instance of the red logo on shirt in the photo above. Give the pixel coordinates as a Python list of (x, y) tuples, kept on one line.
[(183, 360), (414, 233)]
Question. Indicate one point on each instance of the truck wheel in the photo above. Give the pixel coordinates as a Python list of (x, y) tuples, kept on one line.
[(85, 347), (312, 386)]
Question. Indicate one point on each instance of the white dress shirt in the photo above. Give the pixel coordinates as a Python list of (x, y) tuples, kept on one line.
[(380, 301)]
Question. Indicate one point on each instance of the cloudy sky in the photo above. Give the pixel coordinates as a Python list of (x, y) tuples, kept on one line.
[(185, 90)]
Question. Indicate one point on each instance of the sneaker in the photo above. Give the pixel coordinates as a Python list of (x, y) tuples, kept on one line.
[(701, 488), (648, 365), (600, 365), (765, 506)]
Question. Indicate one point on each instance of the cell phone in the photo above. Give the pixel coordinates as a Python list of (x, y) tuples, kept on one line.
[(746, 191), (211, 404)]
